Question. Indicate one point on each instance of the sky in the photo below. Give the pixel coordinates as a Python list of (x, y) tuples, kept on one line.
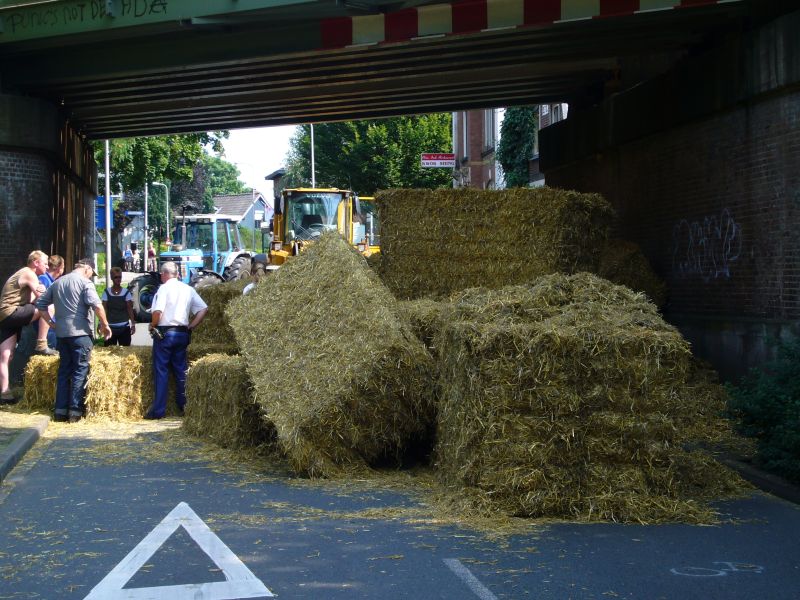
[(257, 153)]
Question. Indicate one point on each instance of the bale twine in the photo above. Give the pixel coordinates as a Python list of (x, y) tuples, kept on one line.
[(569, 398), (435, 242), (220, 404), (336, 370), (624, 263), (215, 328)]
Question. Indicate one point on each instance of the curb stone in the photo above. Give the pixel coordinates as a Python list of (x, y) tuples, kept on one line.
[(767, 482), (25, 439)]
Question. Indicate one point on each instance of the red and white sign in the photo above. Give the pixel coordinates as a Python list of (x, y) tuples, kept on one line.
[(439, 159)]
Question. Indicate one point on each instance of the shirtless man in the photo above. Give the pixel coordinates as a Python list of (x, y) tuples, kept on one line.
[(17, 311)]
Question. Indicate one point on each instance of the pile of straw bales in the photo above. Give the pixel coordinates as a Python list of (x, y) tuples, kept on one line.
[(435, 242), (114, 387), (335, 369), (119, 386), (624, 263), (571, 397), (220, 404)]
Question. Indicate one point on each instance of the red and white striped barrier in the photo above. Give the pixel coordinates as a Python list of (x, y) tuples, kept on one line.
[(471, 16)]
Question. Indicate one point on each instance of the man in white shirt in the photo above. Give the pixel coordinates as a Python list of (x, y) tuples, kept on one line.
[(176, 310)]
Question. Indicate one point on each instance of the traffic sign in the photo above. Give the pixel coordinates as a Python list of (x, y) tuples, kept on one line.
[(134, 213), (438, 160)]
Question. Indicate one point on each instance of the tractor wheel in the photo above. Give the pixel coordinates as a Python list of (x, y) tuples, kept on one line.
[(205, 280), (239, 269), (143, 288)]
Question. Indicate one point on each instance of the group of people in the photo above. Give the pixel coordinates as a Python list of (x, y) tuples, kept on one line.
[(132, 258), (65, 307)]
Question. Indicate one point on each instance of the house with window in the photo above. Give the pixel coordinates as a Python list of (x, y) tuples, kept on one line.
[(476, 135), (253, 209)]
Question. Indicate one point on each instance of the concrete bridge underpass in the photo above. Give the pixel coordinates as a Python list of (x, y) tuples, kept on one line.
[(671, 102)]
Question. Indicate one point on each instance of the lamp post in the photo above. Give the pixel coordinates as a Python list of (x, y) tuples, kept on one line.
[(145, 245), (166, 189), (108, 215), (313, 176)]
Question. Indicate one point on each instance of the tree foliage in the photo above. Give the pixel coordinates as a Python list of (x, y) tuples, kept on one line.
[(180, 161), (517, 138), (365, 156)]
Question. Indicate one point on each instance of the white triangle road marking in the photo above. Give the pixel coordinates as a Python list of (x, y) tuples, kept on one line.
[(240, 582)]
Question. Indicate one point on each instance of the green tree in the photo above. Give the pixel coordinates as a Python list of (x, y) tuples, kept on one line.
[(170, 159), (517, 139), (369, 155), (222, 177)]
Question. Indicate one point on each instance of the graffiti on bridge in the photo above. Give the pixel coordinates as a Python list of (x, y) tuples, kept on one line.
[(78, 12), (706, 248)]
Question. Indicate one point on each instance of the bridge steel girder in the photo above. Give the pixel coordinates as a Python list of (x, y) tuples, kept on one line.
[(255, 63)]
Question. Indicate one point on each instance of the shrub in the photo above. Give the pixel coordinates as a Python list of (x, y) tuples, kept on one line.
[(766, 406)]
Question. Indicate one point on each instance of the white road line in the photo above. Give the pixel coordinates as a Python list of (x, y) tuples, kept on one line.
[(467, 577), (239, 580)]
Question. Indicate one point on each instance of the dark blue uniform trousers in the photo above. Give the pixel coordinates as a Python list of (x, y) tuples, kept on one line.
[(169, 354)]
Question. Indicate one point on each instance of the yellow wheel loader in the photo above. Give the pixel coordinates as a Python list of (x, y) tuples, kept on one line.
[(303, 214)]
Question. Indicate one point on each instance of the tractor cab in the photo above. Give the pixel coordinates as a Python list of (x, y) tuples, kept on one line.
[(207, 250), (206, 243)]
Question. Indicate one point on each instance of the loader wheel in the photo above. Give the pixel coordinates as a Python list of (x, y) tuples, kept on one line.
[(143, 288), (239, 269)]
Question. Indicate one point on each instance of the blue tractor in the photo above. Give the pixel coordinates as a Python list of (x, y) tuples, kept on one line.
[(208, 250)]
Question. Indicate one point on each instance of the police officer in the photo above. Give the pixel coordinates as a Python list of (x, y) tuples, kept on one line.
[(176, 310)]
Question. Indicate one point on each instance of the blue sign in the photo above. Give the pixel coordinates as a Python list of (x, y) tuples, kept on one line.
[(100, 213)]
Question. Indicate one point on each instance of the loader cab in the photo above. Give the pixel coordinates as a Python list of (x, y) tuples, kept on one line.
[(303, 214)]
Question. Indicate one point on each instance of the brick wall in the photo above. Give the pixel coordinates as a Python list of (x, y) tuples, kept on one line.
[(714, 204), (26, 223)]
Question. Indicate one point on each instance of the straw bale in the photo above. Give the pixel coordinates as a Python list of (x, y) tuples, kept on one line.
[(120, 382), (624, 263), (571, 397), (221, 406), (113, 386), (215, 328), (334, 367), (435, 242), (40, 383), (426, 317)]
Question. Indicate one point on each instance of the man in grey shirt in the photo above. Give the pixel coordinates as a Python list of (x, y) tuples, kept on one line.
[(74, 298)]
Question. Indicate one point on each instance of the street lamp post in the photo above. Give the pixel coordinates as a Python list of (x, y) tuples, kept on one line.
[(146, 246), (166, 189)]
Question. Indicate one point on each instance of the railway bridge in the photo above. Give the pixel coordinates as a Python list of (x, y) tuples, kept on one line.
[(685, 114)]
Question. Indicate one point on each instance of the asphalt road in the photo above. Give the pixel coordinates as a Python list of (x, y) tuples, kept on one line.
[(140, 511)]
